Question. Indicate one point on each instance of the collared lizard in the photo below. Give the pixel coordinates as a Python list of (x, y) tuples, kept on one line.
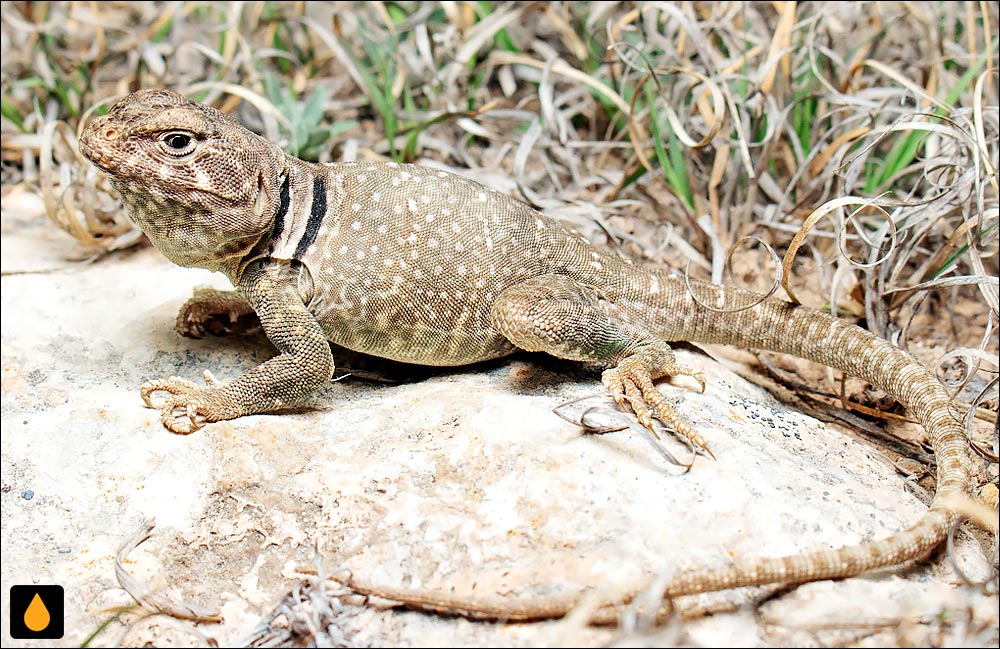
[(423, 266)]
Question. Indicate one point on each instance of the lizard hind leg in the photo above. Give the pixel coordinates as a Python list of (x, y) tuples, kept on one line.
[(567, 319)]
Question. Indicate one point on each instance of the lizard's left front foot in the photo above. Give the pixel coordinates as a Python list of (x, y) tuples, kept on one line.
[(189, 406), (631, 384)]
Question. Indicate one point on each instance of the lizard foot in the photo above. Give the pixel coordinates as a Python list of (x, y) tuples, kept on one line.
[(188, 407), (218, 313), (631, 385)]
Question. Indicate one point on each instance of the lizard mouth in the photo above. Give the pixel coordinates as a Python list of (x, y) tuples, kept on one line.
[(94, 140), (90, 152), (85, 148)]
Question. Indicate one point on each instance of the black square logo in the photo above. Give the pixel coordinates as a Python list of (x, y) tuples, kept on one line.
[(36, 612)]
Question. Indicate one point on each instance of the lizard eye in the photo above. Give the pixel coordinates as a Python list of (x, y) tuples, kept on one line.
[(177, 143)]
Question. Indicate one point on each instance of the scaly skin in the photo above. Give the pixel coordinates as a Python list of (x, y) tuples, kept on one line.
[(422, 266)]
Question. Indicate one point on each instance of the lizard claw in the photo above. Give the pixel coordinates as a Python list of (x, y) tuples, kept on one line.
[(188, 406), (631, 385)]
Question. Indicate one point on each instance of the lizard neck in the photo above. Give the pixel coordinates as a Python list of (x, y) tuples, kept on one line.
[(306, 192)]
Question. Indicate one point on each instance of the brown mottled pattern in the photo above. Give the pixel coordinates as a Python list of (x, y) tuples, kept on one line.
[(419, 265)]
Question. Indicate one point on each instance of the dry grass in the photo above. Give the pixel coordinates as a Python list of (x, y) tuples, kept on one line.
[(863, 135), (858, 141)]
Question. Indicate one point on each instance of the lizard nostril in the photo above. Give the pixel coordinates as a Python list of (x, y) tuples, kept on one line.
[(110, 134)]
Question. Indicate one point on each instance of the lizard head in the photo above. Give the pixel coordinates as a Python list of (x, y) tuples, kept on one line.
[(202, 187)]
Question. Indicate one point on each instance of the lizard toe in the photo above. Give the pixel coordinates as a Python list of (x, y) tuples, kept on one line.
[(684, 370), (182, 415), (174, 386), (628, 394)]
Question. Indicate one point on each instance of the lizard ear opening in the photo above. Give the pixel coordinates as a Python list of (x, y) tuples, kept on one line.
[(261, 202)]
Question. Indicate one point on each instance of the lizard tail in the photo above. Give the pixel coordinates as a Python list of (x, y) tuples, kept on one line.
[(782, 327)]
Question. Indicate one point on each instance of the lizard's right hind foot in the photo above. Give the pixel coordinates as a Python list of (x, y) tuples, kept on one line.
[(631, 384)]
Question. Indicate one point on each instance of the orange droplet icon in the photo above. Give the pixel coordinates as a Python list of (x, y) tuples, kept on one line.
[(36, 617)]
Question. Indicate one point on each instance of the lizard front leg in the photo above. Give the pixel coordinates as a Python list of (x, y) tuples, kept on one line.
[(562, 317), (304, 364)]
